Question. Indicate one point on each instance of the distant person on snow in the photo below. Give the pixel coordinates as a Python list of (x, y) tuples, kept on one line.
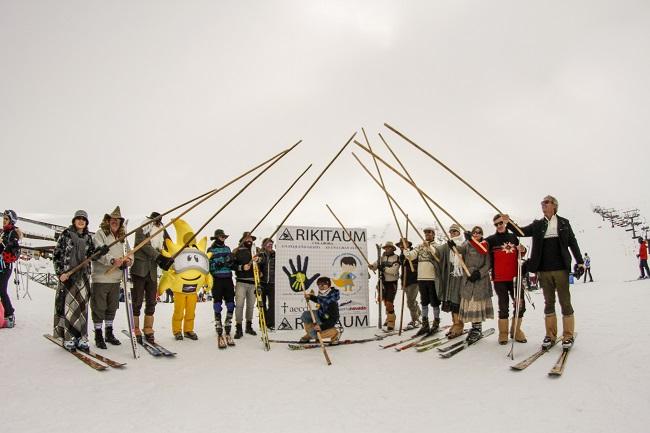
[(587, 261), (643, 259), (9, 253), (550, 259)]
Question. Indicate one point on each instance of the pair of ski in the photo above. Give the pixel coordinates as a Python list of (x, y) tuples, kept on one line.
[(413, 340), (558, 367), (455, 348), (432, 343), (153, 349), (93, 360), (303, 346), (224, 341)]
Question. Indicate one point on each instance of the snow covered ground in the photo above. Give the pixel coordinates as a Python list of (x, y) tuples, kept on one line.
[(367, 389)]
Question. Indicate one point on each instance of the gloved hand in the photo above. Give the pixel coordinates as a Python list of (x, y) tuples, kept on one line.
[(468, 235), (451, 244), (474, 276), (164, 262), (102, 251)]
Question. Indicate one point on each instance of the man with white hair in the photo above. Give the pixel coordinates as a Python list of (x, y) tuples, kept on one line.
[(550, 259)]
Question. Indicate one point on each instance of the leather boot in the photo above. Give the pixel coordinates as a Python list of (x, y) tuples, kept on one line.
[(550, 321), (249, 328), (331, 333), (307, 337), (147, 329), (99, 339), (568, 326), (457, 326), (136, 325), (503, 331), (110, 338), (390, 321), (238, 331), (517, 333), (424, 329)]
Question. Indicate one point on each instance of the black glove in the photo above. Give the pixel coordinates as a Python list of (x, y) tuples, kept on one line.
[(102, 251), (474, 276), (451, 244), (468, 235), (164, 262), (578, 271)]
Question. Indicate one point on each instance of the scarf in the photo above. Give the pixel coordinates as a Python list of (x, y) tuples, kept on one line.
[(476, 246), (78, 253), (156, 241), (454, 259)]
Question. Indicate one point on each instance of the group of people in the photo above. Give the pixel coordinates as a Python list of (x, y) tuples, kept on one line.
[(457, 277), (460, 276)]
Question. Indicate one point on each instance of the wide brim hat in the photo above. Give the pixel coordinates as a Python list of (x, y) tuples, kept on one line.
[(388, 244), (115, 214), (266, 240), (399, 243), (155, 216), (217, 233), (245, 235)]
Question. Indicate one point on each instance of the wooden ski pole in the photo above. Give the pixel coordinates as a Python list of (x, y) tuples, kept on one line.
[(462, 262), (280, 199), (349, 233), (419, 191), (417, 231), (443, 165), (320, 337), (312, 186), (401, 313), (390, 204), (206, 197)]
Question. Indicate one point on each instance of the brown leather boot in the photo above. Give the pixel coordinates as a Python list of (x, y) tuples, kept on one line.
[(331, 333), (147, 329), (457, 326), (307, 337), (568, 327), (518, 334), (550, 321), (503, 331)]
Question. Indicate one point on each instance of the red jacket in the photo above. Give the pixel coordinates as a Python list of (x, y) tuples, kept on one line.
[(643, 250)]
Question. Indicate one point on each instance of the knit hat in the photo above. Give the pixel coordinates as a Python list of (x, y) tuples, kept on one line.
[(13, 218), (245, 235), (217, 233), (81, 214), (455, 227), (115, 214)]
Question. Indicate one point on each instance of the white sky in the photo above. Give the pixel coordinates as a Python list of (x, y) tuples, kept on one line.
[(148, 103)]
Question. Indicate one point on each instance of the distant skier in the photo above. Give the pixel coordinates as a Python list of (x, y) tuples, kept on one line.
[(587, 261), (9, 253), (643, 258), (389, 266), (550, 259), (327, 314)]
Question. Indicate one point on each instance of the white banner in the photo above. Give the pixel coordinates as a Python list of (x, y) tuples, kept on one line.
[(314, 252)]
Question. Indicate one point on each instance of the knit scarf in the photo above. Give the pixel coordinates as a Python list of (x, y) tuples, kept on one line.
[(454, 259), (78, 253)]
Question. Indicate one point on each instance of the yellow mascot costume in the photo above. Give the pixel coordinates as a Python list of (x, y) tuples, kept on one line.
[(190, 272)]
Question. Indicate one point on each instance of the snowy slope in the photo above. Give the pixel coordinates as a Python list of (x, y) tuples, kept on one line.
[(604, 388)]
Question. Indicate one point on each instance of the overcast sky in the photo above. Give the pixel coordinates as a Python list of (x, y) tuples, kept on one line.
[(148, 103)]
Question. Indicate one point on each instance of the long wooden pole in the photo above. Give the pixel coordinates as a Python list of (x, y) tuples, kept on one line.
[(312, 186), (419, 191), (203, 196), (152, 235), (320, 337), (417, 231), (455, 250), (390, 204), (349, 233), (280, 199), (401, 313), (443, 165)]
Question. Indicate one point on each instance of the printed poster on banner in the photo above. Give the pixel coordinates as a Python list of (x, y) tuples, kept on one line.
[(306, 253)]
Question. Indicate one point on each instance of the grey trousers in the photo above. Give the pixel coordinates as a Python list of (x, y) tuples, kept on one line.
[(412, 291), (244, 292), (104, 301)]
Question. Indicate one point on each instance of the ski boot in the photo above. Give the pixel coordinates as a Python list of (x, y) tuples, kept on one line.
[(424, 330), (11, 321), (238, 331), (547, 343), (503, 331), (435, 325), (150, 338), (474, 333), (178, 336), (191, 335), (249, 328), (138, 338), (69, 345), (110, 338), (229, 340), (99, 339), (82, 344)]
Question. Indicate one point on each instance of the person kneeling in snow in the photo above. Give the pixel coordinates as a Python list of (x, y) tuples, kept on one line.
[(327, 314)]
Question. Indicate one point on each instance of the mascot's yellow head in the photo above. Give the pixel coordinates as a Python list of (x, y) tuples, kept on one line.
[(191, 269)]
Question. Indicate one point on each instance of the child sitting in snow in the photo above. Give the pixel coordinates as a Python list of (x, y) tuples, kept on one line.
[(327, 314)]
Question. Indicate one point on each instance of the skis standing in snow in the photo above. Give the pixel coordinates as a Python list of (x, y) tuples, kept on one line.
[(550, 259), (475, 291), (223, 288), (427, 270), (504, 248), (105, 293), (411, 287), (9, 253), (144, 274), (389, 263), (74, 245)]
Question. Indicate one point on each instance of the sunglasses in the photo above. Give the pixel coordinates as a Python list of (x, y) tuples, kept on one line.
[(500, 223)]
